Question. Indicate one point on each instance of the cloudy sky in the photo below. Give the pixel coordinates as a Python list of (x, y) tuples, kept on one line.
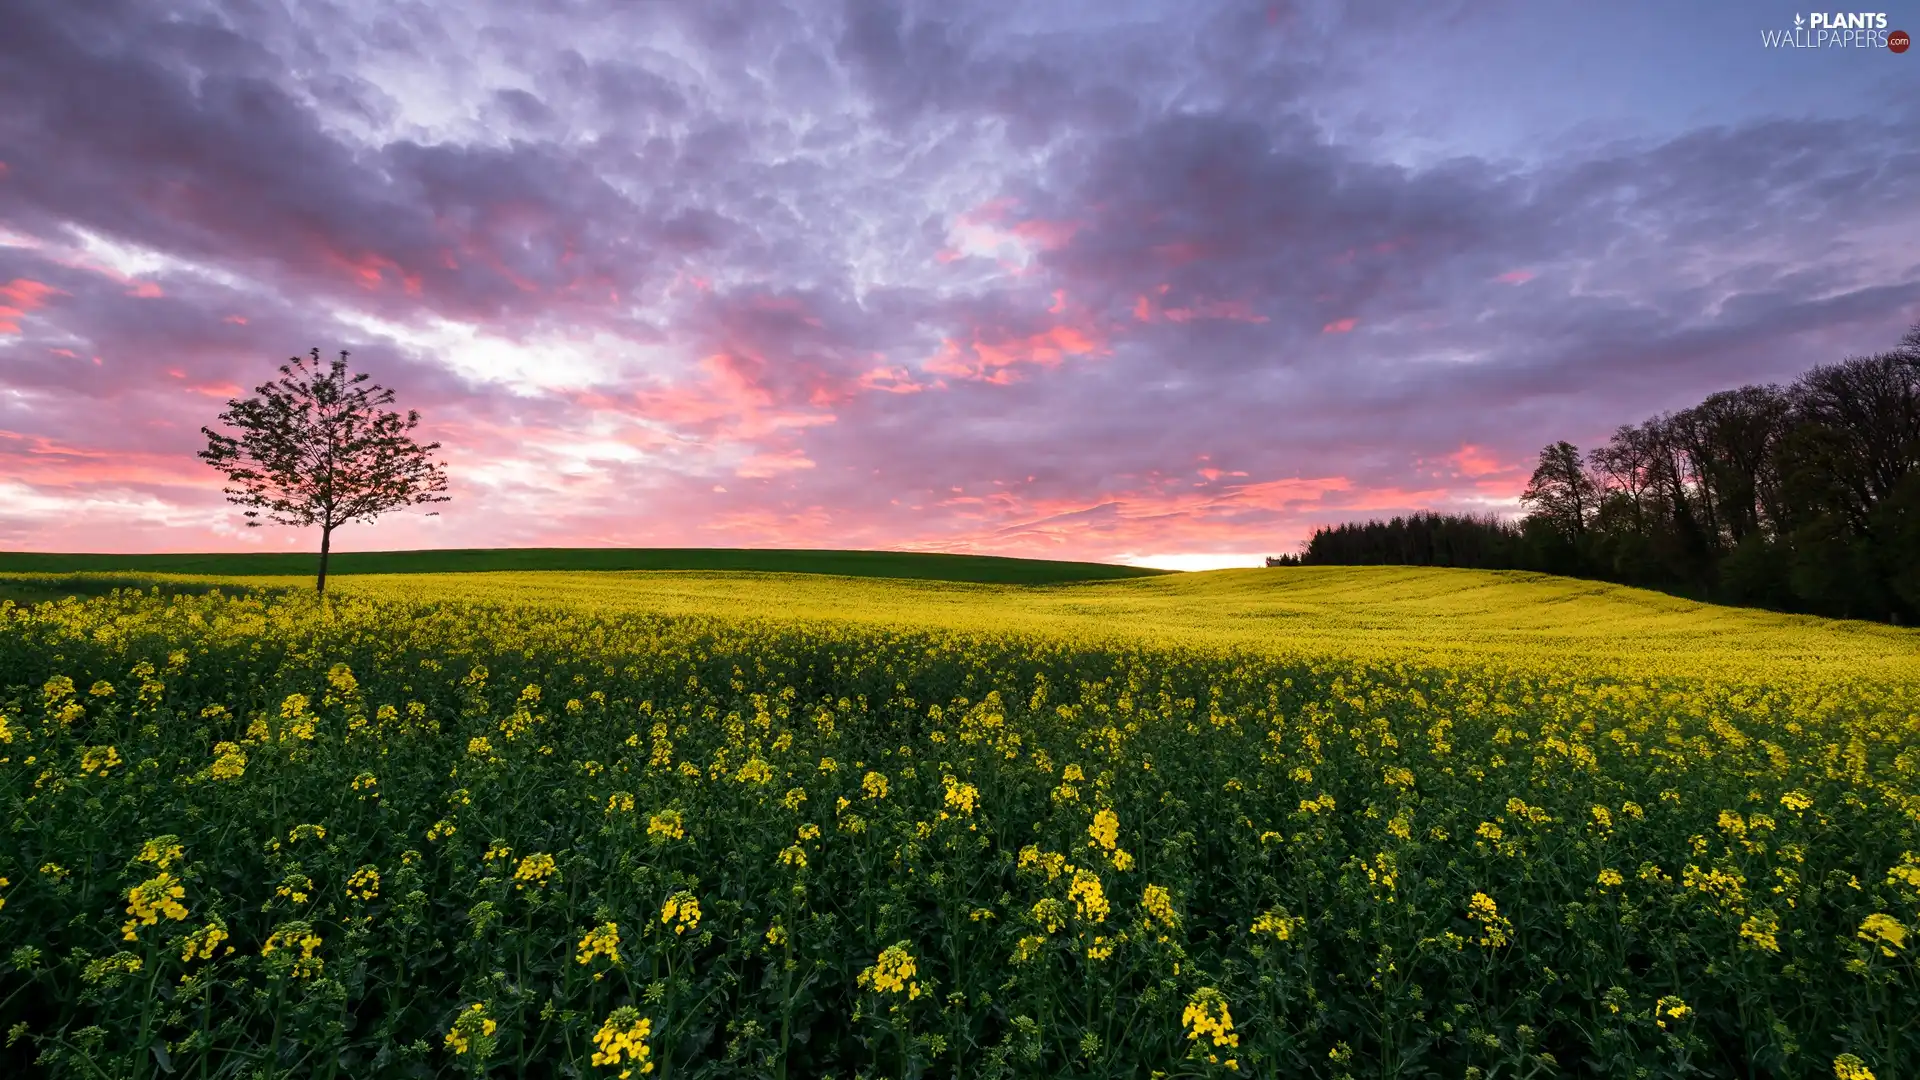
[(1164, 282)]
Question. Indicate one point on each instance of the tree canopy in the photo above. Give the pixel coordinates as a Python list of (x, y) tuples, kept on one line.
[(318, 446), (1803, 497)]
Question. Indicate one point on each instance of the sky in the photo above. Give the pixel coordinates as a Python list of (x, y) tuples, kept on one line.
[(1169, 283)]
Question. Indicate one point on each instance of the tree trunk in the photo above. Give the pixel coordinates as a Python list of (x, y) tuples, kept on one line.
[(326, 541)]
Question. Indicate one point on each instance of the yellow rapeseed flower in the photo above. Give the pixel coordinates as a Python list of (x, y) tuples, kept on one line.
[(1884, 931), (1276, 921), (681, 911), (666, 825), (892, 973), (229, 761), (622, 1041), (1159, 905), (472, 1032), (200, 944), (1207, 1016), (1850, 1067), (99, 760), (1088, 897), (364, 883), (602, 940), (152, 900), (536, 869), (161, 851), (293, 945), (1105, 830), (960, 797), (1495, 930)]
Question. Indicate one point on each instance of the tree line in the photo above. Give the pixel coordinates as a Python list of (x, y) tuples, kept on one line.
[(1802, 498)]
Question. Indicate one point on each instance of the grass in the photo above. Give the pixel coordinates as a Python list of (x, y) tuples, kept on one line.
[(885, 564)]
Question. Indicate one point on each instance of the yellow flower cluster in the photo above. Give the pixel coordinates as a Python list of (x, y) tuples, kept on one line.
[(472, 1032), (666, 825), (229, 761), (200, 944), (892, 973), (364, 883), (295, 943), (150, 901), (536, 869), (1089, 898), (1670, 1007), (1277, 922), (1885, 932), (622, 1042), (602, 940), (1850, 1067), (960, 798), (1159, 905), (1207, 1017), (681, 911), (161, 852), (99, 760), (1105, 833), (1495, 930)]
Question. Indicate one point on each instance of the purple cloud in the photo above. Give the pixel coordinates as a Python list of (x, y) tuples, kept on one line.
[(1130, 281)]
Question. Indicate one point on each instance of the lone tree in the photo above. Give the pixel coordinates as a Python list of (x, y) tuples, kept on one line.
[(316, 447)]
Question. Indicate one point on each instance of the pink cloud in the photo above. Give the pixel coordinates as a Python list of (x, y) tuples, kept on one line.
[(45, 462), (1488, 472), (146, 290), (369, 270), (890, 380), (994, 360), (1471, 460), (729, 401), (20, 296), (1047, 235), (1516, 277), (1340, 326)]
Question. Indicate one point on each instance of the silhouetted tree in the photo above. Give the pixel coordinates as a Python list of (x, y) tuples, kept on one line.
[(1563, 492), (317, 447)]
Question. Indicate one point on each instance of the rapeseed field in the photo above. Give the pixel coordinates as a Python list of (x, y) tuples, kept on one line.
[(1355, 823)]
